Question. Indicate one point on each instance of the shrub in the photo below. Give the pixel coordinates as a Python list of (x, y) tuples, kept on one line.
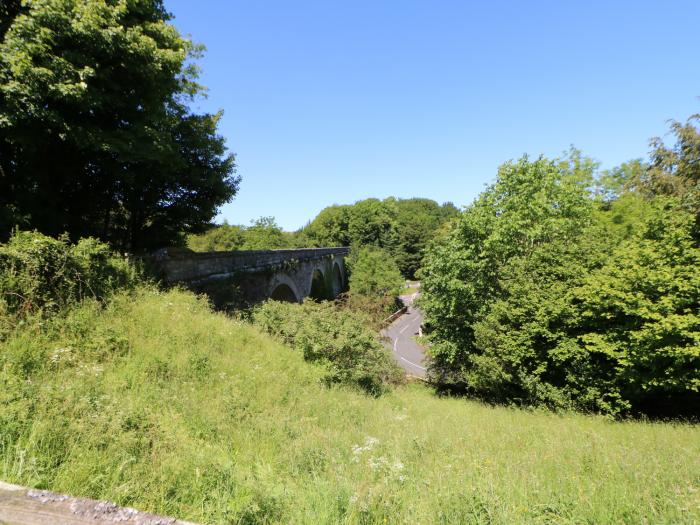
[(42, 273), (372, 309), (337, 338)]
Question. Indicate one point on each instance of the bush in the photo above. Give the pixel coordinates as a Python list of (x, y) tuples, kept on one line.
[(337, 338), (372, 309), (40, 273)]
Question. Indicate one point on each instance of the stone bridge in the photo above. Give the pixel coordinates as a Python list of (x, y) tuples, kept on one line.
[(257, 275)]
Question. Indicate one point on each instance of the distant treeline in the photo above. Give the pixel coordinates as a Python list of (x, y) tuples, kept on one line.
[(401, 227)]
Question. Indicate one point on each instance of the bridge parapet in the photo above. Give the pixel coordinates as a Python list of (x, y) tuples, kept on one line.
[(192, 267)]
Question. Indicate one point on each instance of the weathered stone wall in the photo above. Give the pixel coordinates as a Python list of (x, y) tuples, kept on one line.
[(253, 276)]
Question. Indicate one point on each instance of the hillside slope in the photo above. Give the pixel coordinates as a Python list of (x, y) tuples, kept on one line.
[(157, 403)]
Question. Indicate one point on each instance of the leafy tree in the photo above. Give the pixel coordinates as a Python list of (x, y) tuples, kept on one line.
[(96, 137), (374, 273), (675, 170), (330, 227), (611, 184), (372, 222), (417, 222), (402, 227), (543, 294), (265, 234), (262, 234), (225, 237), (532, 203)]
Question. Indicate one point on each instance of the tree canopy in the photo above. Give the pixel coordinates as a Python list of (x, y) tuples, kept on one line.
[(402, 227), (262, 234), (96, 134), (573, 289)]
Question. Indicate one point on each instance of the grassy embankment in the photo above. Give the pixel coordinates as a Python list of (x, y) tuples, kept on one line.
[(157, 403)]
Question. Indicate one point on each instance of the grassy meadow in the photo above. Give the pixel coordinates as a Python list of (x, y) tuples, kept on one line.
[(155, 402)]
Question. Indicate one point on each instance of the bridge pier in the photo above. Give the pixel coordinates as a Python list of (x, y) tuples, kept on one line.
[(253, 276)]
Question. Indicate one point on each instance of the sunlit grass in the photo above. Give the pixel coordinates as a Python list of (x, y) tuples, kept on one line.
[(159, 404)]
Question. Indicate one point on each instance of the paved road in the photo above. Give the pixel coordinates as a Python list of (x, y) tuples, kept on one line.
[(401, 333)]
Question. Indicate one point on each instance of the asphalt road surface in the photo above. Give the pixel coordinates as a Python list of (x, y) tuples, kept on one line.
[(408, 354)]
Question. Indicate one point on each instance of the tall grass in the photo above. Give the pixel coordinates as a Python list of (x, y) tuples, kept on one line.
[(157, 403)]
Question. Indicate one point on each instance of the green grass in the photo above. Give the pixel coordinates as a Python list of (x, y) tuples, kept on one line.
[(159, 404)]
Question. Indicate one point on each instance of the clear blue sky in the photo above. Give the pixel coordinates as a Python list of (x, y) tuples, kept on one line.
[(330, 102)]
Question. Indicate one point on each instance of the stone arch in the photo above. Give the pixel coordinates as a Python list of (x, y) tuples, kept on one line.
[(338, 281), (282, 288), (318, 285), (284, 293)]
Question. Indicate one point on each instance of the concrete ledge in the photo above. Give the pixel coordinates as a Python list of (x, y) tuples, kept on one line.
[(22, 506)]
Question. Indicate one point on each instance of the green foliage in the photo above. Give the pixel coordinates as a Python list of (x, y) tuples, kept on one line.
[(417, 223), (41, 273), (374, 273), (541, 294), (532, 202), (262, 234), (221, 238), (157, 403), (265, 234), (402, 227), (675, 170), (96, 138), (640, 312), (337, 338)]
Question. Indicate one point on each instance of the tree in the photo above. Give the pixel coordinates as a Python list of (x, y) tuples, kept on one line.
[(374, 273), (265, 234), (675, 170), (531, 204), (262, 234), (224, 237), (96, 137), (402, 227), (542, 293), (417, 222)]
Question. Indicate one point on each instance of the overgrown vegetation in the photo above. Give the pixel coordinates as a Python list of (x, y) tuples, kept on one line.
[(262, 234), (155, 402), (40, 274), (545, 292), (337, 338)]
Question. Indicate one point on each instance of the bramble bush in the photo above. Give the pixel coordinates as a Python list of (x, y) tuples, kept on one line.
[(40, 273), (336, 338)]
